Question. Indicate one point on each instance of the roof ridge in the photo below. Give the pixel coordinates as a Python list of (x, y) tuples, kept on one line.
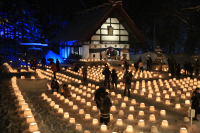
[(93, 9)]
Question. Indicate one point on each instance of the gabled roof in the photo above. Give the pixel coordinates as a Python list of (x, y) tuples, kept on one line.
[(85, 24)]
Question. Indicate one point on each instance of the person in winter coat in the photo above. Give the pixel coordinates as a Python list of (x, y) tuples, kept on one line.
[(105, 104), (126, 65), (54, 85), (141, 66), (197, 67), (43, 62), (114, 78), (136, 66), (57, 65), (186, 67), (191, 69), (107, 73), (178, 70), (196, 102), (172, 67), (127, 80), (35, 64), (149, 62), (168, 61), (98, 94), (54, 69), (31, 62), (65, 91), (84, 71)]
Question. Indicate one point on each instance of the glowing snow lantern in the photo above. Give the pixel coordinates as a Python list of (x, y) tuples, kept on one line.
[(30, 119), (125, 98), (94, 108), (33, 127), (183, 130), (131, 108), (27, 112), (162, 112), (154, 129), (70, 103), (152, 117), (113, 108), (129, 129), (82, 100), (88, 104), (187, 102), (103, 128), (72, 120), (149, 95), (141, 113), (56, 106), (66, 115), (177, 106), (79, 127), (141, 123), (119, 96), (142, 105), (24, 106), (157, 99), (123, 105), (66, 101), (133, 101), (164, 123), (152, 108), (119, 122), (95, 121), (75, 107), (121, 112)]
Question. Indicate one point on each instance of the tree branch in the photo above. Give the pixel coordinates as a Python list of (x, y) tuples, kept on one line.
[(182, 20), (191, 8)]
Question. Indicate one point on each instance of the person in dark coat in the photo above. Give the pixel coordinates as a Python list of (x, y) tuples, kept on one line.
[(98, 94), (191, 69), (31, 62), (76, 69), (126, 65), (127, 79), (168, 61), (84, 71), (105, 104), (197, 67), (43, 62), (178, 70), (196, 102), (54, 85), (35, 64), (140, 59), (136, 65), (172, 67), (54, 68), (149, 62), (57, 65), (114, 78), (186, 67), (107, 73)]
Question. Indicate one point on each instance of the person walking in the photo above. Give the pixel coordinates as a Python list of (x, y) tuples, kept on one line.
[(57, 64), (105, 104), (127, 80), (114, 78), (196, 102), (84, 71), (141, 66), (31, 62), (107, 73), (126, 65), (43, 62), (54, 69), (140, 59)]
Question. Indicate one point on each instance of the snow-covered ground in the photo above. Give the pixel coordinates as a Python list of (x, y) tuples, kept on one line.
[(50, 121)]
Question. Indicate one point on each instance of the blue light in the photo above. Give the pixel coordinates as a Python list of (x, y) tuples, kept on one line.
[(51, 54)]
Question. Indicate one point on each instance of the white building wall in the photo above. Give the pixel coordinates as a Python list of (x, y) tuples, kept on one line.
[(85, 54), (97, 55)]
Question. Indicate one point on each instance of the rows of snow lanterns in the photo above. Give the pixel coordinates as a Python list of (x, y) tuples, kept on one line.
[(10, 68), (182, 72), (172, 89), (91, 60), (144, 74), (115, 100), (33, 127), (60, 77)]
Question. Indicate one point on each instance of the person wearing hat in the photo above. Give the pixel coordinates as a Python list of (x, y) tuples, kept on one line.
[(196, 102), (105, 104)]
